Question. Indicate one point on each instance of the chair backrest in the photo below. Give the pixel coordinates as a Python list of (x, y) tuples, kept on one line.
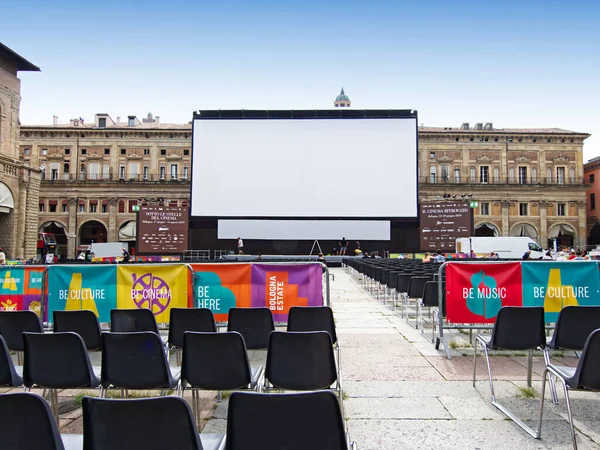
[(254, 324), (14, 323), (402, 282), (588, 369), (138, 424), (309, 420), (26, 422), (312, 318), (430, 294), (519, 328), (301, 361), (132, 320), (8, 374), (134, 361), (215, 361), (416, 286), (189, 319), (83, 322), (57, 360), (574, 325)]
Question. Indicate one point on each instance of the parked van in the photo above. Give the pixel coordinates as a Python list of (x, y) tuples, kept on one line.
[(504, 247)]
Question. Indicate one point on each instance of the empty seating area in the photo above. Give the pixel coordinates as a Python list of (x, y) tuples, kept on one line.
[(135, 357)]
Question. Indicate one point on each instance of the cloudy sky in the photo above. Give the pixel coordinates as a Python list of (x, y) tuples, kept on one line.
[(514, 63)]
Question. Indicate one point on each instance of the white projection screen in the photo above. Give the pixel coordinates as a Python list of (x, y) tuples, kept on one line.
[(309, 168)]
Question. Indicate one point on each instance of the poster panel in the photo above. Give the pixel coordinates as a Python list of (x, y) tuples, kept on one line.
[(281, 286), (555, 285), (476, 292), (222, 286), (158, 288), (72, 287)]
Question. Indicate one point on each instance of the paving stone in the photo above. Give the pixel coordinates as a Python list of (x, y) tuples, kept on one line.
[(395, 408)]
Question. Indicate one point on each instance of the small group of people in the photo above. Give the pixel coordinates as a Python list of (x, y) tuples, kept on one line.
[(437, 257)]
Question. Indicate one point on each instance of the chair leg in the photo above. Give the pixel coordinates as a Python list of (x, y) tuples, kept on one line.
[(529, 367), (487, 360), (475, 360), (219, 396), (550, 378), (568, 401)]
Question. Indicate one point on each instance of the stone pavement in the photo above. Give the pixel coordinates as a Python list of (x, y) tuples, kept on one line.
[(402, 393)]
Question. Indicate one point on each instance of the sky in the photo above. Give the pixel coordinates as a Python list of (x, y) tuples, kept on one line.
[(518, 64)]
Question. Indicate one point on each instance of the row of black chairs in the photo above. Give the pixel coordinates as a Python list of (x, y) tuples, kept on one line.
[(254, 421), (577, 328)]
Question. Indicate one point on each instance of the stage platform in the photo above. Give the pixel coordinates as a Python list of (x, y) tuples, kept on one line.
[(333, 261)]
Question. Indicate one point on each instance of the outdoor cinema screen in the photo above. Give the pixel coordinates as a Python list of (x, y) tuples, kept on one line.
[(309, 168)]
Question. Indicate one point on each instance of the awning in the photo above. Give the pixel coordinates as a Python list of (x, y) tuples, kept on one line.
[(6, 199), (51, 224), (127, 231), (561, 230), (524, 229)]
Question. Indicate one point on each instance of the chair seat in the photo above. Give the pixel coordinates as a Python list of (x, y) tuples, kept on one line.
[(210, 441), (565, 372)]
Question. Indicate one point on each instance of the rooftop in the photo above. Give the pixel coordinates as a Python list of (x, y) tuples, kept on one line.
[(22, 64)]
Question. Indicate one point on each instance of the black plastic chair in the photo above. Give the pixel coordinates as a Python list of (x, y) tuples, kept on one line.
[(416, 285), (9, 377), (188, 319), (135, 361), (132, 320), (84, 323), (57, 361), (429, 299), (254, 324), (295, 422), (314, 318), (12, 326), (586, 376), (26, 423), (516, 328), (571, 331), (216, 362), (142, 424)]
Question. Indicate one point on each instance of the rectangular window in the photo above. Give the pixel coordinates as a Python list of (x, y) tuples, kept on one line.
[(106, 171), (163, 152), (44, 151), (52, 207), (592, 201), (560, 175), (123, 151), (186, 153), (82, 207), (131, 121), (67, 151), (432, 174), (93, 207), (134, 171), (457, 175), (522, 175), (146, 151), (42, 207), (162, 172), (484, 172), (104, 208), (121, 172), (173, 171), (145, 172), (561, 209), (27, 151), (54, 171), (484, 209), (523, 209), (65, 207), (102, 122), (93, 171), (107, 151), (591, 178), (445, 173), (496, 175), (185, 172), (431, 155), (84, 151)]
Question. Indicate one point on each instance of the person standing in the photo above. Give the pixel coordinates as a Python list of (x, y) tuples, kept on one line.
[(2, 258), (126, 255), (240, 246), (343, 246)]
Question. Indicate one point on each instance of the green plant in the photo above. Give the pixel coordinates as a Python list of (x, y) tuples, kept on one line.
[(79, 397), (526, 392)]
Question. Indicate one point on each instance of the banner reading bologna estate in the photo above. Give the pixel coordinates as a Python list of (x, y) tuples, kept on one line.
[(476, 292)]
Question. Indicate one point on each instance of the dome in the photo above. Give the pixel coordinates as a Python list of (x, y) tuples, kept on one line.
[(342, 97)]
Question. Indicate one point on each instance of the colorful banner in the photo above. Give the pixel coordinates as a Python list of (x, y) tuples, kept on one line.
[(559, 284), (476, 292), (21, 288), (82, 287), (281, 286), (158, 288), (222, 286)]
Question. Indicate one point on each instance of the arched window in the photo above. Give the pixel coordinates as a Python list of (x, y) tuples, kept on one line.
[(121, 206)]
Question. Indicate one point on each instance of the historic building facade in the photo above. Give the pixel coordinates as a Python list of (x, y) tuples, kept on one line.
[(95, 175), (19, 182), (527, 182), (592, 173)]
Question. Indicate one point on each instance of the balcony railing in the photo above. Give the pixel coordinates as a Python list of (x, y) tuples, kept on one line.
[(524, 181), (120, 178)]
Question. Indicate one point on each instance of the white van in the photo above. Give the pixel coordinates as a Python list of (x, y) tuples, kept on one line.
[(504, 247)]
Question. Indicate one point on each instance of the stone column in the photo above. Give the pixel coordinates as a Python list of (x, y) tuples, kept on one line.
[(112, 232), (72, 229), (543, 224), (505, 215), (20, 221), (582, 229)]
